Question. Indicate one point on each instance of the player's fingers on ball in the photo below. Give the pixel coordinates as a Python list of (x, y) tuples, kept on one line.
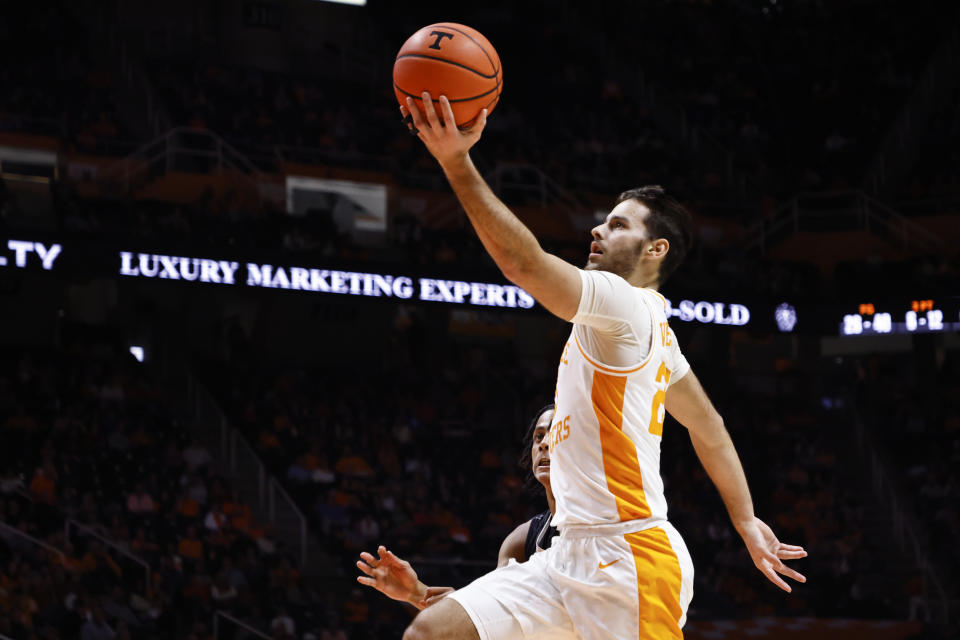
[(430, 110), (448, 120), (414, 113)]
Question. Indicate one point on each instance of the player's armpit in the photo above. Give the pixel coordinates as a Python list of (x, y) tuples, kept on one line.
[(513, 546)]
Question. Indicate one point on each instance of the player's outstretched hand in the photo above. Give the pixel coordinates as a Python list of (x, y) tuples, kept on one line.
[(439, 131), (768, 553), (391, 576)]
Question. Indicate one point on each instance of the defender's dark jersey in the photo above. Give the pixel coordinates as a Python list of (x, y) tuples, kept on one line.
[(540, 533)]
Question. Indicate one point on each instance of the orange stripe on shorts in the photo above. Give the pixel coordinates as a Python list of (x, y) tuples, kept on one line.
[(658, 584)]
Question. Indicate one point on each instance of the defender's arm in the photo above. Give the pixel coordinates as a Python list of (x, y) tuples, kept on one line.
[(513, 546)]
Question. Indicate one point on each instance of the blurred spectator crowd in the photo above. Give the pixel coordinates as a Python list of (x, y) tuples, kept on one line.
[(710, 99), (115, 521), (117, 524), (60, 81), (422, 457)]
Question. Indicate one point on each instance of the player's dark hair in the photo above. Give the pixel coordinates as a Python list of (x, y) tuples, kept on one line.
[(668, 219), (525, 459)]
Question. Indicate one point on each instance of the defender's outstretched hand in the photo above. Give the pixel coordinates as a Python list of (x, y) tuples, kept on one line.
[(768, 553), (439, 131), (391, 576)]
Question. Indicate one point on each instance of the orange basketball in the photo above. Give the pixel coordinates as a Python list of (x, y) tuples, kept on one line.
[(453, 60)]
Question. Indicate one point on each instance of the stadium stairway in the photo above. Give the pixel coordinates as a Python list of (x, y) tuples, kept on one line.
[(899, 562), (269, 502)]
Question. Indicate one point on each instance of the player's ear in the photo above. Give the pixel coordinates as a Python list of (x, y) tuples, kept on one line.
[(658, 248)]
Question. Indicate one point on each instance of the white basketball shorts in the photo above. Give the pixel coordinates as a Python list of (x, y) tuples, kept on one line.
[(588, 586)]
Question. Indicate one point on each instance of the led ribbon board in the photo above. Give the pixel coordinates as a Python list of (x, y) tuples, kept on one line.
[(83, 257)]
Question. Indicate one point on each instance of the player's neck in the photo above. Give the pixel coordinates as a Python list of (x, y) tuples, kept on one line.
[(645, 274), (645, 281), (550, 501)]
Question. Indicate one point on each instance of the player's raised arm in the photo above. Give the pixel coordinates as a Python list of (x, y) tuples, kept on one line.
[(553, 282), (688, 403)]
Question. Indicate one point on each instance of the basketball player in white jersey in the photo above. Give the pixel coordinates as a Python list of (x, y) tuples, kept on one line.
[(619, 569)]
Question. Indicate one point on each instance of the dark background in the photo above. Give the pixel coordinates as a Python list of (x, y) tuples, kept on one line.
[(279, 433)]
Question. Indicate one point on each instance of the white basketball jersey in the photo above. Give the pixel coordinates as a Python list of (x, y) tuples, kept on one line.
[(605, 438)]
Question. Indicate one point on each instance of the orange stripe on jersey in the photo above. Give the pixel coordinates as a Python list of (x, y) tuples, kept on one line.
[(620, 462), (658, 584), (607, 369)]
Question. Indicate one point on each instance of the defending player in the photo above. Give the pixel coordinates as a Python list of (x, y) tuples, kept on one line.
[(395, 577), (619, 569)]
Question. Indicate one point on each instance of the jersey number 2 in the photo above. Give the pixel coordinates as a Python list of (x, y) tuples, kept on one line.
[(657, 409)]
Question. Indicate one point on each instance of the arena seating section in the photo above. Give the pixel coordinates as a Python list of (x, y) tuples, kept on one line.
[(90, 436), (429, 467)]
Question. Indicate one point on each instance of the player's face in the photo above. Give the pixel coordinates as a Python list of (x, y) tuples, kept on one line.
[(540, 451), (619, 240)]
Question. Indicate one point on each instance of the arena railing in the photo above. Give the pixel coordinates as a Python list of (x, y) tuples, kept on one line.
[(247, 472), (219, 613), (904, 527), (4, 527), (282, 512), (25, 123), (846, 210), (84, 529), (184, 149), (511, 178)]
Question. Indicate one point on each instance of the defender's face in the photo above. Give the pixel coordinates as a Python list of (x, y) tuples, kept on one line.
[(618, 241), (540, 449)]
